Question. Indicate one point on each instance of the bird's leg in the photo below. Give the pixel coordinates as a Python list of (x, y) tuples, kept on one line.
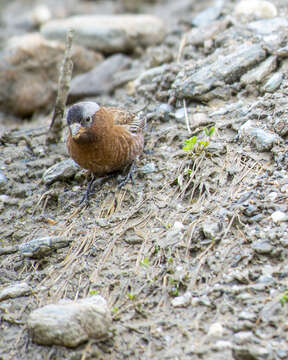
[(88, 190), (129, 175), (91, 186)]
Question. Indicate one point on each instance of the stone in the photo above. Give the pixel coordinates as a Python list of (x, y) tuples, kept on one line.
[(251, 352), (163, 111), (147, 76), (273, 83), (3, 182), (182, 301), (148, 168), (41, 14), (206, 16), (243, 337), (251, 210), (258, 74), (109, 33), (28, 68), (195, 82), (211, 229), (282, 52), (262, 139), (197, 36), (281, 125), (99, 80), (70, 323), (262, 247), (268, 26), (216, 330), (279, 216), (256, 8), (14, 291), (41, 247), (60, 171), (246, 315)]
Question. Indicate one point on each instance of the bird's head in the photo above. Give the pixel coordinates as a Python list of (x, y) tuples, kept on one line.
[(83, 119)]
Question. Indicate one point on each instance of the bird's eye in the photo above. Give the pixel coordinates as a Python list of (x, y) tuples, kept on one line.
[(88, 119)]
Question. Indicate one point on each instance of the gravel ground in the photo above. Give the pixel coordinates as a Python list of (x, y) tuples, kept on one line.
[(192, 258)]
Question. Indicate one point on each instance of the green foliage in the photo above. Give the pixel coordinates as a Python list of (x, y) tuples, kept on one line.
[(174, 287), (284, 298), (190, 143), (131, 296), (156, 249), (145, 262), (170, 260), (93, 292), (115, 309), (196, 145)]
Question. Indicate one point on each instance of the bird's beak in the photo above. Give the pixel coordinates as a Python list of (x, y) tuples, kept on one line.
[(75, 129)]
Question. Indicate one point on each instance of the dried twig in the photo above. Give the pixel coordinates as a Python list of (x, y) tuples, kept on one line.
[(54, 133)]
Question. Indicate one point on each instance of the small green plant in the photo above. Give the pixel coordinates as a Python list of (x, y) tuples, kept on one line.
[(170, 260), (115, 309), (174, 287), (93, 292), (145, 262), (131, 296), (156, 249), (196, 145), (284, 298)]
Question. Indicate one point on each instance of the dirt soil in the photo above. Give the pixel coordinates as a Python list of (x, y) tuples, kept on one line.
[(204, 233)]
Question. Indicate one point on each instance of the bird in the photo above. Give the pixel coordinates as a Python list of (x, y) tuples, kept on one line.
[(104, 140)]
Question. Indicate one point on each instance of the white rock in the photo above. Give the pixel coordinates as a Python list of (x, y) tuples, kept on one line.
[(41, 14), (259, 8), (178, 226), (109, 34), (15, 290), (272, 196), (182, 301), (216, 330), (70, 323), (279, 216)]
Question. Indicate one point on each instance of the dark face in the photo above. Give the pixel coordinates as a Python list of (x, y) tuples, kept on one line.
[(80, 118)]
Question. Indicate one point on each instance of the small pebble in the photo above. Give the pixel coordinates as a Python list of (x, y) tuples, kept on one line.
[(182, 301), (257, 8), (262, 247), (279, 216), (216, 330)]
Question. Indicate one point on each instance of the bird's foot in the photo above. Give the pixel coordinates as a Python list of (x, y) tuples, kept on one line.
[(91, 187), (129, 176)]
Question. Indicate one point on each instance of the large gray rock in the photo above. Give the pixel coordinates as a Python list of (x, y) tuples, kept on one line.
[(61, 171), (195, 82), (98, 81), (109, 33), (70, 323), (260, 72), (29, 72)]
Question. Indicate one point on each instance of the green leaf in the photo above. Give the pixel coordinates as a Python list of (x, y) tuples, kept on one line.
[(206, 131), (131, 296), (189, 143), (145, 261), (93, 292), (211, 131), (115, 309)]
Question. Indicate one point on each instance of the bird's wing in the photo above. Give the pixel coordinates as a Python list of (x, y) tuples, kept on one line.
[(131, 122), (120, 116), (138, 123)]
